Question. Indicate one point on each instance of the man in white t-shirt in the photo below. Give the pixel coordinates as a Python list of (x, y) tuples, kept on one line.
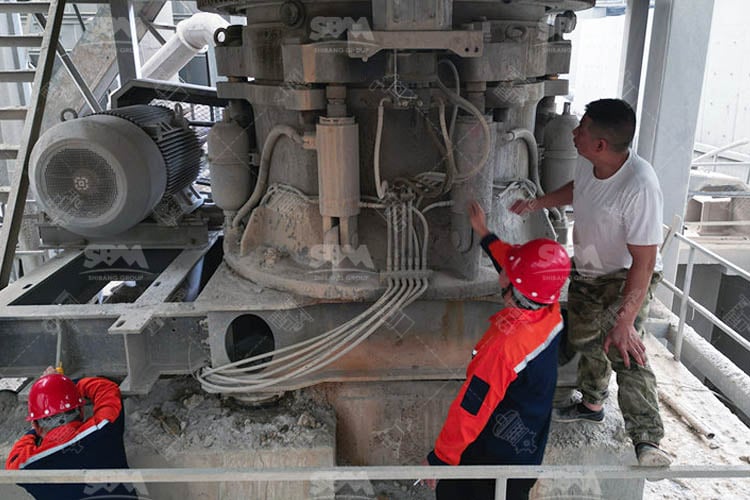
[(617, 204)]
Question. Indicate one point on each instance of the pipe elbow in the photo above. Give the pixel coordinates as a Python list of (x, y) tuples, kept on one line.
[(198, 30)]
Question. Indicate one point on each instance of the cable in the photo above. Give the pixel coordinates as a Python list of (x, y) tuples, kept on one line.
[(457, 79), (291, 366), (451, 170), (467, 106)]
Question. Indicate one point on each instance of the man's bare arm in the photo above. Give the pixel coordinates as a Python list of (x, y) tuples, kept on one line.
[(557, 198), (623, 335)]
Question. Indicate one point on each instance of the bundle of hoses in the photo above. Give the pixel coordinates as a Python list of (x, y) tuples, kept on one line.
[(290, 367), (433, 184)]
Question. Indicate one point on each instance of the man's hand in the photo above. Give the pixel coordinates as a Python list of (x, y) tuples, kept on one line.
[(626, 339), (431, 483), (49, 371), (521, 207), (477, 218)]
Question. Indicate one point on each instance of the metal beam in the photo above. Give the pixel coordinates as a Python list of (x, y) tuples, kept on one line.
[(633, 46), (13, 113), (671, 98), (17, 75), (8, 152), (23, 7), (126, 40), (80, 83), (20, 40), (20, 185)]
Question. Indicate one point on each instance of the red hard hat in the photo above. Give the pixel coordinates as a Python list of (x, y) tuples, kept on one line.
[(538, 269), (53, 394)]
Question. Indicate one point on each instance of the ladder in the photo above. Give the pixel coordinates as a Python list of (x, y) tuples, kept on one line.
[(32, 116)]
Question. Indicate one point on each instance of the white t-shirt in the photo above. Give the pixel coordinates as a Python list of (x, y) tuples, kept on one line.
[(611, 213)]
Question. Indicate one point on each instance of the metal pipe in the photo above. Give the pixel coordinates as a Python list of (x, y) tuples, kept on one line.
[(393, 472), (193, 35), (684, 413), (684, 304)]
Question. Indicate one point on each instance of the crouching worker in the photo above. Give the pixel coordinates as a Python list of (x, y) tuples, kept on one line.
[(501, 415), (62, 439)]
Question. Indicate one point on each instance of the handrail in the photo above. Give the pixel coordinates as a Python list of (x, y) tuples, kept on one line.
[(684, 294), (715, 152), (714, 256), (501, 473)]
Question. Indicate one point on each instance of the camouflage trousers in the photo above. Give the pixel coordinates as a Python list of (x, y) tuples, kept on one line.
[(592, 310)]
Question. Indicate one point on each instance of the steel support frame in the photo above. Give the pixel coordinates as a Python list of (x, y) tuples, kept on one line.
[(72, 70), (13, 217), (126, 41), (633, 46), (154, 336), (142, 339)]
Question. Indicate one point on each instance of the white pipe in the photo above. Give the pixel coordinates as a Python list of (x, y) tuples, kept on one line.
[(469, 107), (528, 138), (193, 35), (457, 79), (380, 188), (452, 170), (265, 165)]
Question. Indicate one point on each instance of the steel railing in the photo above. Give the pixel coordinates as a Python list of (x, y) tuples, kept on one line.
[(400, 472), (711, 158), (686, 300)]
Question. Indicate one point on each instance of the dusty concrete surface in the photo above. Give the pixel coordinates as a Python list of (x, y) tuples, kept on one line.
[(730, 446), (580, 443)]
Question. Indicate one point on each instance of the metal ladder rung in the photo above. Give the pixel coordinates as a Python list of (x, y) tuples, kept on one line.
[(13, 113), (8, 151), (17, 75), (20, 40), (24, 7)]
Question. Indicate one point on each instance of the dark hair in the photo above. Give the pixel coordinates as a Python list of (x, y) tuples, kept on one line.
[(613, 120)]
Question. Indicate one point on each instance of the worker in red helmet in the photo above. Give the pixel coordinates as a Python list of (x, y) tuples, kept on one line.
[(501, 415), (61, 438)]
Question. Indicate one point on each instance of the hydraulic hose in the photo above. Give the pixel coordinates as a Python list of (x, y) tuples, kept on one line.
[(265, 165)]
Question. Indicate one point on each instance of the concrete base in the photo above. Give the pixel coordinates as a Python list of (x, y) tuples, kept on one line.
[(285, 457), (388, 423), (581, 443)]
